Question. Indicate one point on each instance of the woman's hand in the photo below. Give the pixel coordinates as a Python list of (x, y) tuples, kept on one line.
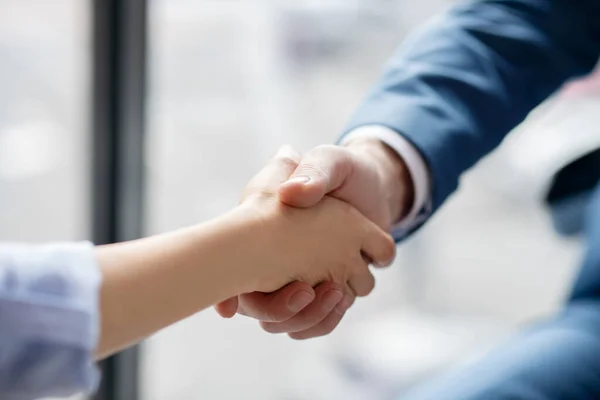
[(331, 241), (331, 231)]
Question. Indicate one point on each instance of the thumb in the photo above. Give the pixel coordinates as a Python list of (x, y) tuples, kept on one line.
[(277, 171), (321, 171)]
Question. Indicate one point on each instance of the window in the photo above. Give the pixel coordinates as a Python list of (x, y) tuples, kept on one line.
[(44, 128)]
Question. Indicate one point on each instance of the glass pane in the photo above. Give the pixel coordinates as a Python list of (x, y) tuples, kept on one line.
[(230, 82), (44, 168), (43, 120)]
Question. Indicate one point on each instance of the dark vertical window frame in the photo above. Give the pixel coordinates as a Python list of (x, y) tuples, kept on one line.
[(118, 127)]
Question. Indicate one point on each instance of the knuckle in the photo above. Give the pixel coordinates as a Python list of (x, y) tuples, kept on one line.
[(288, 162), (289, 152), (336, 156), (324, 148), (369, 288), (364, 284), (311, 169), (330, 151), (361, 291)]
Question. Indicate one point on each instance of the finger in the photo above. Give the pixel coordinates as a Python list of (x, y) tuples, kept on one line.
[(277, 306), (327, 325), (323, 328), (227, 308), (348, 301), (362, 282), (328, 296), (277, 171), (378, 246), (322, 170)]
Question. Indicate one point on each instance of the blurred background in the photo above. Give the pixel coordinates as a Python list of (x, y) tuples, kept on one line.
[(229, 82)]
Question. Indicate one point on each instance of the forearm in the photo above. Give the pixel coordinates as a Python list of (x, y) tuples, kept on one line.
[(151, 283)]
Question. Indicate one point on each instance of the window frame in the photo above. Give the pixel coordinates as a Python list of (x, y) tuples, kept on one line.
[(119, 63)]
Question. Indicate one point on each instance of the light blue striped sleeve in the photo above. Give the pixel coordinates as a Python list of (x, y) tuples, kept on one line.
[(49, 320)]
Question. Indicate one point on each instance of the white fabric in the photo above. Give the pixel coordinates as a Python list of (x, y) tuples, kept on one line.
[(417, 169)]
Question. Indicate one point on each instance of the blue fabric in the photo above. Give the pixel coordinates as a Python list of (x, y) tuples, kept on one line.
[(48, 320), (557, 360), (455, 89), (462, 82), (554, 360), (587, 284), (570, 190), (568, 216)]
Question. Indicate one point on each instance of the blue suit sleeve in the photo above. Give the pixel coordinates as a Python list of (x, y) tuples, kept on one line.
[(462, 82)]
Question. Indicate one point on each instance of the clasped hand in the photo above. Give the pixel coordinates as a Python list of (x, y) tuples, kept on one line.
[(327, 215)]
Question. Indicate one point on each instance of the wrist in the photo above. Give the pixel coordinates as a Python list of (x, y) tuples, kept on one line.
[(241, 233), (257, 225), (393, 173)]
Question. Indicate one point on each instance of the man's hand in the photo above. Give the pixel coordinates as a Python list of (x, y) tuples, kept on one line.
[(367, 174), (330, 241)]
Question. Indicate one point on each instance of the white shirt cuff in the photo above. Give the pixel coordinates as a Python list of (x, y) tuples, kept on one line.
[(417, 169)]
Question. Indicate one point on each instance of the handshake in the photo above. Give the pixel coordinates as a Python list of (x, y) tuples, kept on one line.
[(318, 221), (294, 254)]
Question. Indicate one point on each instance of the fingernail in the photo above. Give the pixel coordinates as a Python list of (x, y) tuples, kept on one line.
[(383, 264), (299, 300), (331, 299), (299, 179)]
